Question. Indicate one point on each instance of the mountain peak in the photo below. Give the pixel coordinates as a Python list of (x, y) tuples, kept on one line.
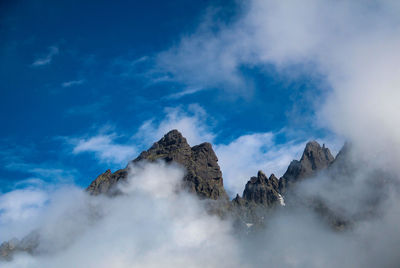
[(261, 190), (312, 145), (314, 159), (261, 174), (316, 156), (203, 175), (174, 135)]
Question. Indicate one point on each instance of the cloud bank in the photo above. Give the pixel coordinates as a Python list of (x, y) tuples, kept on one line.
[(354, 45), (155, 225)]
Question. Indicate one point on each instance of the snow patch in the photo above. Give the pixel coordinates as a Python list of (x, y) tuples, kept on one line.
[(281, 200)]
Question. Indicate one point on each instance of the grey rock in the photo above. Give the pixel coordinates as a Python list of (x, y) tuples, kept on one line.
[(106, 183), (261, 190), (260, 196), (28, 245), (203, 175), (315, 158)]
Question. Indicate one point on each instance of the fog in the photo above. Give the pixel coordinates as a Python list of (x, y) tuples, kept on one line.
[(150, 225), (354, 45)]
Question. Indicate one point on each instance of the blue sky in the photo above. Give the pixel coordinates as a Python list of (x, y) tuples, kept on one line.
[(87, 86)]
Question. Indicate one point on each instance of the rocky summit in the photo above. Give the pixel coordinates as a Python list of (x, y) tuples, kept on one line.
[(261, 190), (203, 177), (203, 174), (314, 159)]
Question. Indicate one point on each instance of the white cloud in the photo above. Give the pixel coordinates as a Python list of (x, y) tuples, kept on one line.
[(20, 204), (19, 207), (105, 148), (192, 122), (239, 160), (180, 94), (149, 226), (244, 156), (152, 226), (73, 83), (46, 59), (354, 45)]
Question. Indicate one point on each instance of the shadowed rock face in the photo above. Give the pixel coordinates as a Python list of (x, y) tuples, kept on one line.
[(262, 190), (203, 177), (203, 174), (260, 194), (314, 159), (105, 183)]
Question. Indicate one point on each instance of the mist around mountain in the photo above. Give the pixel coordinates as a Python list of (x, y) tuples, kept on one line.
[(169, 207), (252, 78)]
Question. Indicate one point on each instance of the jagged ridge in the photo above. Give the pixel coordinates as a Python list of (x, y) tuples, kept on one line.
[(204, 178), (203, 174)]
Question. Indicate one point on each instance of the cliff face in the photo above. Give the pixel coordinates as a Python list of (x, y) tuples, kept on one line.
[(203, 174), (262, 190), (204, 178), (105, 183), (315, 158)]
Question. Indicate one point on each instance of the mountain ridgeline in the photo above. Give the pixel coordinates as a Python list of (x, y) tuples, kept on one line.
[(203, 177)]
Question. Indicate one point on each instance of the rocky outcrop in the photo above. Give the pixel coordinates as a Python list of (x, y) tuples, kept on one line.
[(28, 244), (315, 158), (262, 190), (204, 178), (203, 175), (260, 195), (267, 192), (105, 183)]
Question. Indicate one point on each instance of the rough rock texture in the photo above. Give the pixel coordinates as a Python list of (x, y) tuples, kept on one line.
[(261, 190), (203, 177), (28, 244), (203, 174), (314, 159), (259, 196), (105, 183)]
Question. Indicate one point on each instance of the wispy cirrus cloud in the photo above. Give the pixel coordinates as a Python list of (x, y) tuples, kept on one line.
[(105, 147), (19, 159), (72, 83), (47, 58), (39, 173), (185, 92)]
